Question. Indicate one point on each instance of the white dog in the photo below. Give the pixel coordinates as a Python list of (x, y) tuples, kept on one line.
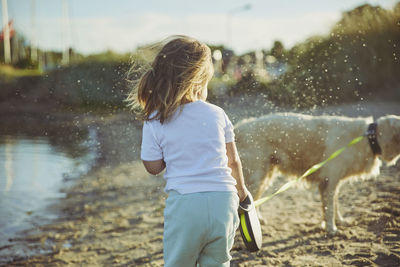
[(288, 144)]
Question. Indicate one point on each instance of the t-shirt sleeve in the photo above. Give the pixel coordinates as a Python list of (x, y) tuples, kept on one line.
[(229, 134), (151, 149)]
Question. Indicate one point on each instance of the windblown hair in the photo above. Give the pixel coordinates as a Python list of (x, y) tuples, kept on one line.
[(179, 71)]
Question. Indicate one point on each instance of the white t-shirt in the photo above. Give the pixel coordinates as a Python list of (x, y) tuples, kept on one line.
[(192, 144)]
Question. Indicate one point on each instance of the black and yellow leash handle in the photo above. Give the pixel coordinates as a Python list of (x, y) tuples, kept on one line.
[(250, 228)]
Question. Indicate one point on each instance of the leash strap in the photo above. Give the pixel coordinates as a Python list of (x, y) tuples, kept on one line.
[(308, 172)]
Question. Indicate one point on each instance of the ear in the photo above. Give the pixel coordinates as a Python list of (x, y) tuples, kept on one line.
[(396, 139), (395, 128)]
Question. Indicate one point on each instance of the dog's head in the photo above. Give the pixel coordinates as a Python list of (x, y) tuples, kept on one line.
[(389, 138)]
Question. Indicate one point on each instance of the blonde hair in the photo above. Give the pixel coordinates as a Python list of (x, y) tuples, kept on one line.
[(179, 71)]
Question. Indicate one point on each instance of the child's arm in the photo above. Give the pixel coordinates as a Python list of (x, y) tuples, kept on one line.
[(236, 165), (154, 167)]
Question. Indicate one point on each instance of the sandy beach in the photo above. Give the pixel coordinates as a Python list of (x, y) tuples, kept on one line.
[(113, 216)]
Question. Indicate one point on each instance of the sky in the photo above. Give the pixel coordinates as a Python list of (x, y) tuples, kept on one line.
[(94, 26)]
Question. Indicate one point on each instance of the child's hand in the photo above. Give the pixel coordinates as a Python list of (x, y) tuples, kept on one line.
[(242, 194)]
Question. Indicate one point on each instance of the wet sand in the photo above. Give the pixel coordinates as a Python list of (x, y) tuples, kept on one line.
[(114, 215)]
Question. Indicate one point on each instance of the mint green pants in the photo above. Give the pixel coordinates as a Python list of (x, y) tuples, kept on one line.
[(199, 228)]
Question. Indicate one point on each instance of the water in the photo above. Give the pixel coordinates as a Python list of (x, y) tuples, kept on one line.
[(32, 172)]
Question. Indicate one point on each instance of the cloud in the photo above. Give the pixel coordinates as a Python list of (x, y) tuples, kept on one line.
[(256, 33), (123, 34)]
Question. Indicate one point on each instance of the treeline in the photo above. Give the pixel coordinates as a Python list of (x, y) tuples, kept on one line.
[(358, 59)]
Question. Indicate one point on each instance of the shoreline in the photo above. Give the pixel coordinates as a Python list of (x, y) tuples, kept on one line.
[(113, 215)]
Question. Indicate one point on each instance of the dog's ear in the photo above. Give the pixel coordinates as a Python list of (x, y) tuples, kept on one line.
[(396, 139), (395, 125), (395, 128)]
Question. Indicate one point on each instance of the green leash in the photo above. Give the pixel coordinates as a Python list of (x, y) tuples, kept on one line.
[(308, 172)]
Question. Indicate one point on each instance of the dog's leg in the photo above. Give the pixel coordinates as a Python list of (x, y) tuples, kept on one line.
[(327, 191), (263, 185), (339, 218), (322, 189)]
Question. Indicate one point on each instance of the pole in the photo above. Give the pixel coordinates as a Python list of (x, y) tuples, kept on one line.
[(65, 33), (7, 48), (34, 55)]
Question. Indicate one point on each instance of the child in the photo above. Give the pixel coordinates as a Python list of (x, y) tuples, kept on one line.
[(194, 141)]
